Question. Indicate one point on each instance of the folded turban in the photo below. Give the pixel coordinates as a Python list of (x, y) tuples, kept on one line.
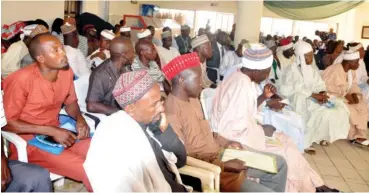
[(28, 29), (199, 41), (68, 28), (132, 86), (143, 34), (302, 48), (184, 27), (108, 34), (356, 48), (9, 31), (285, 44), (40, 29), (179, 64), (166, 34), (125, 29), (257, 57), (351, 55)]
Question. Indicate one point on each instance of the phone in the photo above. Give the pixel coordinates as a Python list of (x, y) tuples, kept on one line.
[(52, 140)]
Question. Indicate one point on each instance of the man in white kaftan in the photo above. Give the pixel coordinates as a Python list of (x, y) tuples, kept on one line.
[(300, 83), (100, 55)]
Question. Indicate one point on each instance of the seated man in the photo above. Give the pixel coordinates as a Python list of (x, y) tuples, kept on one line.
[(103, 78), (18, 176), (231, 59), (306, 92), (101, 54), (76, 59), (285, 53), (234, 116), (185, 115), (167, 52), (341, 81), (141, 124), (125, 32), (33, 97)]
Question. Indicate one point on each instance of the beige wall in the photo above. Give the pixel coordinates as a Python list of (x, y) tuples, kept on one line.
[(361, 19), (12, 11)]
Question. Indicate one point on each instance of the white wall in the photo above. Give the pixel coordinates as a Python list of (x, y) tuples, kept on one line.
[(12, 11), (361, 19)]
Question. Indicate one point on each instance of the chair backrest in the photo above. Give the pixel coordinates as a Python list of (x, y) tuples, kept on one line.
[(81, 87), (206, 99)]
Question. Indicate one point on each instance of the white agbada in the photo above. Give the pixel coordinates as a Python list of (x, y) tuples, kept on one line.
[(285, 62), (286, 120), (230, 59), (166, 55), (120, 158), (77, 61), (297, 84)]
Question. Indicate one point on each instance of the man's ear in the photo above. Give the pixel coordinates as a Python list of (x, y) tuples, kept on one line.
[(130, 110), (40, 59), (181, 81)]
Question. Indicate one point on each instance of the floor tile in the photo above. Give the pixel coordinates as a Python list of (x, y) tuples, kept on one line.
[(328, 171), (358, 187), (351, 175), (340, 185), (364, 174)]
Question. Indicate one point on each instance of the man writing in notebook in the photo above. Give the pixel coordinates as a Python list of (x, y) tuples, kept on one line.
[(184, 114)]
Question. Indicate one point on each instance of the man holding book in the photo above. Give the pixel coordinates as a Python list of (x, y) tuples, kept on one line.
[(184, 113)]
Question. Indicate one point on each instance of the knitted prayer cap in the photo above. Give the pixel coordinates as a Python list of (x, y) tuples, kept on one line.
[(143, 34), (199, 41), (257, 57), (166, 34), (132, 86), (68, 28), (108, 34), (285, 44), (40, 29), (179, 64)]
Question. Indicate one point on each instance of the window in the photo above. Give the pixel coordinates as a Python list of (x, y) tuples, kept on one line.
[(273, 26), (216, 20), (180, 16), (72, 8)]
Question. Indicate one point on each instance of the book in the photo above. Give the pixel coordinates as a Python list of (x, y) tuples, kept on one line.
[(255, 160)]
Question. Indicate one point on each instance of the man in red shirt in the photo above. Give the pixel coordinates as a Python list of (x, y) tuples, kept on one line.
[(33, 97)]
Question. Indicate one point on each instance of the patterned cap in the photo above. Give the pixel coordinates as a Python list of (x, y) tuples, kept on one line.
[(132, 86), (199, 41), (257, 57), (179, 64), (40, 29), (68, 28)]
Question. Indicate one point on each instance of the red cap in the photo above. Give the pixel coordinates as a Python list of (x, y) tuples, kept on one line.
[(179, 64)]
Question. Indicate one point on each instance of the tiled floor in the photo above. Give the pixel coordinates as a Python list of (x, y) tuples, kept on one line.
[(341, 165)]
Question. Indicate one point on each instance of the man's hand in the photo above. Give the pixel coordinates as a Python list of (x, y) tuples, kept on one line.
[(275, 104), (269, 90), (82, 128), (163, 122), (234, 166), (64, 137), (321, 97), (350, 99), (268, 130), (6, 176), (234, 145), (355, 98)]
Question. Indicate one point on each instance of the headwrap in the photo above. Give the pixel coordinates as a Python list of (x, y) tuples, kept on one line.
[(285, 44), (9, 31), (185, 27), (40, 29), (68, 28), (88, 26), (108, 34), (124, 29), (301, 48), (143, 34), (26, 31), (257, 57), (132, 86), (166, 34), (179, 64), (199, 41), (356, 48), (351, 55)]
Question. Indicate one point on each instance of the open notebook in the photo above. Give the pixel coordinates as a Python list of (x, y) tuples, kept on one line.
[(255, 160)]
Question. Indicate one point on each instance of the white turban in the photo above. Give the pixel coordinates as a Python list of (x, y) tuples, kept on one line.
[(124, 29), (351, 55), (144, 34), (257, 56), (301, 48), (108, 34)]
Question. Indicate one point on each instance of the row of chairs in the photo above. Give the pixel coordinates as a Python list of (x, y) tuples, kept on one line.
[(208, 174)]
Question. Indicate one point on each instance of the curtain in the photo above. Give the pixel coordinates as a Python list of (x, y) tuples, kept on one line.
[(310, 10)]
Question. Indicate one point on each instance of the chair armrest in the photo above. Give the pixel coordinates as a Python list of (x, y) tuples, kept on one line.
[(206, 177), (207, 166), (19, 143), (218, 73)]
